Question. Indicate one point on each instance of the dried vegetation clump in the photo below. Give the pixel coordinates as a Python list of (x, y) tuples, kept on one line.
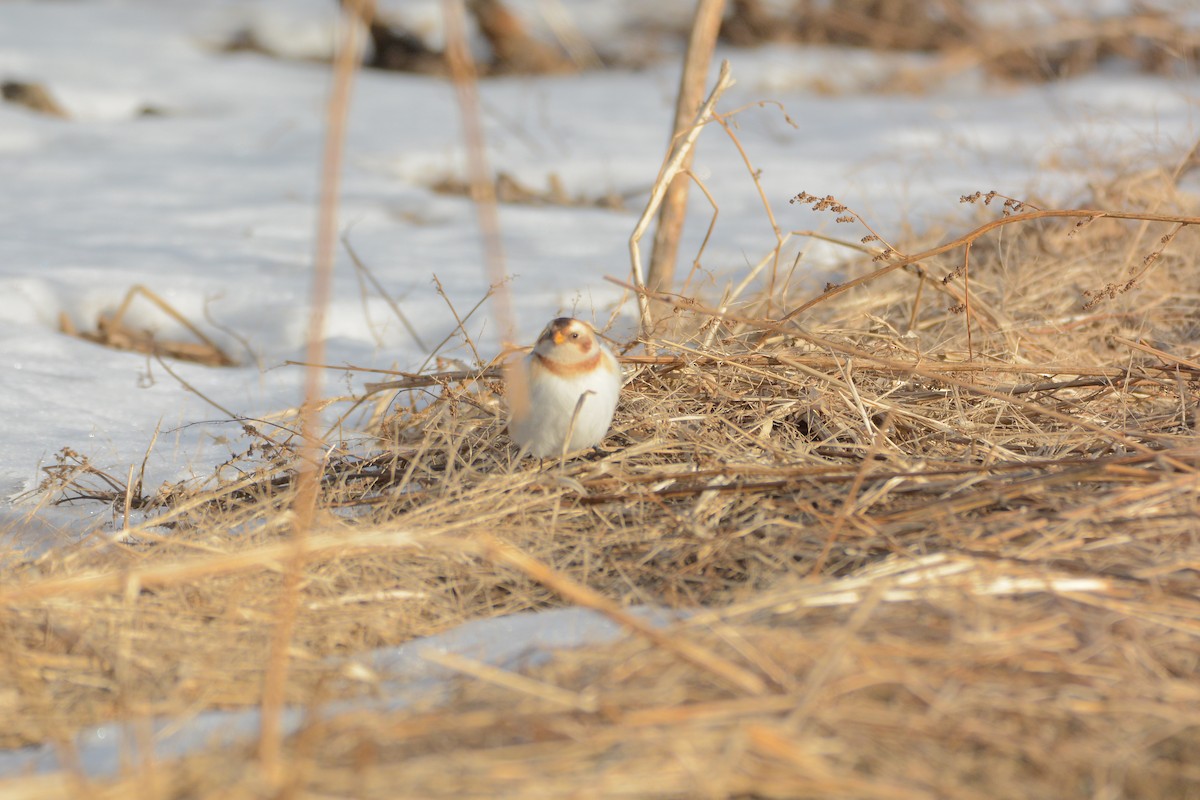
[(510, 190), (112, 330), (938, 528), (1038, 41)]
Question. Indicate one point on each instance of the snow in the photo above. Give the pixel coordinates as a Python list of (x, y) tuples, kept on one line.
[(210, 202)]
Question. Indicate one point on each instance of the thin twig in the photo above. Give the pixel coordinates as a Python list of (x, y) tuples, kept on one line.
[(727, 671), (674, 164), (304, 506), (364, 271), (483, 188), (706, 23)]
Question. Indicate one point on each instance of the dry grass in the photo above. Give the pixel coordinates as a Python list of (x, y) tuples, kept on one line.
[(1040, 41), (113, 331), (929, 564)]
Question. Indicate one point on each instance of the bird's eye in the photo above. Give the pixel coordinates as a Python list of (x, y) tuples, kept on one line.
[(575, 335)]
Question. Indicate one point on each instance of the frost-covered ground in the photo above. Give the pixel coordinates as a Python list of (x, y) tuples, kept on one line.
[(210, 202)]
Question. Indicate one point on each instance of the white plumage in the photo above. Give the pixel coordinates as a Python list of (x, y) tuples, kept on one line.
[(568, 362)]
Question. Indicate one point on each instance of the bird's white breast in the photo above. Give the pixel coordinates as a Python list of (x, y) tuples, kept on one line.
[(542, 428)]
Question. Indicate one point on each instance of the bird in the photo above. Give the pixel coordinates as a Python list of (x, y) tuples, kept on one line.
[(568, 368)]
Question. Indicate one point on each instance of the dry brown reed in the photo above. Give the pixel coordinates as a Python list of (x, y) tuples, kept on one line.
[(706, 23), (112, 330), (925, 565)]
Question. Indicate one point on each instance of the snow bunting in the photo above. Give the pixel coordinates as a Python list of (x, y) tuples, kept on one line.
[(568, 363)]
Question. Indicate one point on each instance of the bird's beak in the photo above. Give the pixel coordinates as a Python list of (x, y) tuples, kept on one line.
[(559, 338)]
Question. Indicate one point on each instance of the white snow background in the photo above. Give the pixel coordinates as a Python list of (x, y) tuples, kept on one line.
[(211, 201)]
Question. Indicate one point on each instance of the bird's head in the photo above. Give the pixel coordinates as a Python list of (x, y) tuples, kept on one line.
[(567, 340)]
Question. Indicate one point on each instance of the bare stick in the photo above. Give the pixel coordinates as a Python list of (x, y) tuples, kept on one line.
[(483, 188), (585, 701), (674, 166), (712, 224), (222, 357), (387, 298), (756, 176), (705, 26), (966, 269), (562, 456), (270, 744), (712, 663)]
